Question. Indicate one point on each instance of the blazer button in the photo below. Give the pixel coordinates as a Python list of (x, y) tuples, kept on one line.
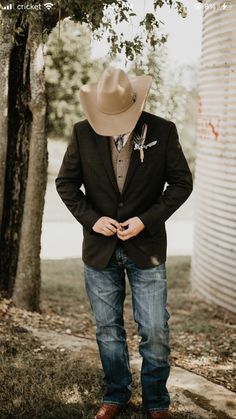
[(121, 204)]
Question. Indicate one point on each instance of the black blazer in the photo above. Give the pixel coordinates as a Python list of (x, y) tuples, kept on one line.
[(87, 162)]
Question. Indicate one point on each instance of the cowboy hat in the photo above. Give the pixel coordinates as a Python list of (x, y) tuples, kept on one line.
[(114, 104)]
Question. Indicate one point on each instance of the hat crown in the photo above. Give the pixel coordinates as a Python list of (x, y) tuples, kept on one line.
[(114, 92)]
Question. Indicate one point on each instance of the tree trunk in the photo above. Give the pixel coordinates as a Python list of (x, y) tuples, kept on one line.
[(6, 30), (27, 286), (15, 134), (23, 159)]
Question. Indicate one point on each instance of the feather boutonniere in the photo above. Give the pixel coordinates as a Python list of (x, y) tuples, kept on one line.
[(140, 140)]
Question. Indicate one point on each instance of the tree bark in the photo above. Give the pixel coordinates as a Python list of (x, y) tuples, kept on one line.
[(15, 128), (6, 30), (27, 285)]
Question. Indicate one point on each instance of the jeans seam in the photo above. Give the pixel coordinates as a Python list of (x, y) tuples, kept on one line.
[(113, 402), (156, 409)]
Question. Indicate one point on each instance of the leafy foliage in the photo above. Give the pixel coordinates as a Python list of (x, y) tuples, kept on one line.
[(101, 16), (178, 5), (169, 97), (68, 67)]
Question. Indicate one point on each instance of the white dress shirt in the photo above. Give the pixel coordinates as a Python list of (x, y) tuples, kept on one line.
[(126, 137)]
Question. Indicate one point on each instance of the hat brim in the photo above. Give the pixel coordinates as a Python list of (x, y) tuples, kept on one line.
[(121, 123)]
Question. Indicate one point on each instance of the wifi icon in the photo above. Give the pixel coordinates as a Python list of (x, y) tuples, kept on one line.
[(48, 5)]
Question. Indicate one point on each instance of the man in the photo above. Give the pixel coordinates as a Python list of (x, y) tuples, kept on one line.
[(123, 157)]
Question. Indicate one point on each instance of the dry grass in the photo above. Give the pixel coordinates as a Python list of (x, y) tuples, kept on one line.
[(46, 385)]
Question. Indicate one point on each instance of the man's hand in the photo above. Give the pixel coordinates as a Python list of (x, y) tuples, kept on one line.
[(106, 226), (135, 226)]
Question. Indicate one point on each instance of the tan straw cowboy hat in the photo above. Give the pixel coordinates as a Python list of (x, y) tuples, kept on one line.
[(114, 104)]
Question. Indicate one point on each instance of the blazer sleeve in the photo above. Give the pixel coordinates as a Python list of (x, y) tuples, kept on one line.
[(68, 184), (180, 184)]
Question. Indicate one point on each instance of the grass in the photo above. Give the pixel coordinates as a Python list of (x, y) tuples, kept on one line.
[(52, 386), (40, 383)]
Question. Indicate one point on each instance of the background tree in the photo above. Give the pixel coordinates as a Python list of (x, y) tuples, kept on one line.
[(173, 95), (68, 65), (23, 152)]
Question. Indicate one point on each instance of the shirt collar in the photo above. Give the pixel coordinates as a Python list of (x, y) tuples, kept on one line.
[(126, 137)]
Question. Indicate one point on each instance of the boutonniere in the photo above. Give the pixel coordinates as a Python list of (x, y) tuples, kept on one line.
[(140, 140)]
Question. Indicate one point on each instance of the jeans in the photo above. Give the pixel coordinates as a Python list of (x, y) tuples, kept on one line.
[(106, 293)]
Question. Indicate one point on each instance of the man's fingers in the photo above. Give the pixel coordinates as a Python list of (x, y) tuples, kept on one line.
[(125, 223), (113, 222), (106, 226), (107, 231), (130, 228), (124, 233), (111, 228)]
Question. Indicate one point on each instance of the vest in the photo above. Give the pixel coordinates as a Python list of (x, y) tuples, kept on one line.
[(120, 161)]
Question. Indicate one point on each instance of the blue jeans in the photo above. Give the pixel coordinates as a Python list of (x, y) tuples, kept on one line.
[(106, 292)]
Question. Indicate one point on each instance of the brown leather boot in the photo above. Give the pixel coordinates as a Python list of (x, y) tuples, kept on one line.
[(158, 414), (109, 411)]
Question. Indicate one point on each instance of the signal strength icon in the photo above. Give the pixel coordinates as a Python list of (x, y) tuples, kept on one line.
[(8, 7), (48, 5)]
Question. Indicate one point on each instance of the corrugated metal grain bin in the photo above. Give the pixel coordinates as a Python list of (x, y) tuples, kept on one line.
[(213, 271)]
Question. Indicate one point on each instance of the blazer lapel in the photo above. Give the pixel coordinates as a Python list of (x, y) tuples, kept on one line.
[(135, 157), (103, 148)]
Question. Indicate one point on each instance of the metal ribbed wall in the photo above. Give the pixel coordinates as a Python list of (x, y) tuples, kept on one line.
[(214, 257)]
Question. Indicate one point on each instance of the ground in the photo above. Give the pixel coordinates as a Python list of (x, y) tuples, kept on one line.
[(49, 365)]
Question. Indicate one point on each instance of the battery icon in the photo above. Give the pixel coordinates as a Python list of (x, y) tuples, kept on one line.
[(8, 7)]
